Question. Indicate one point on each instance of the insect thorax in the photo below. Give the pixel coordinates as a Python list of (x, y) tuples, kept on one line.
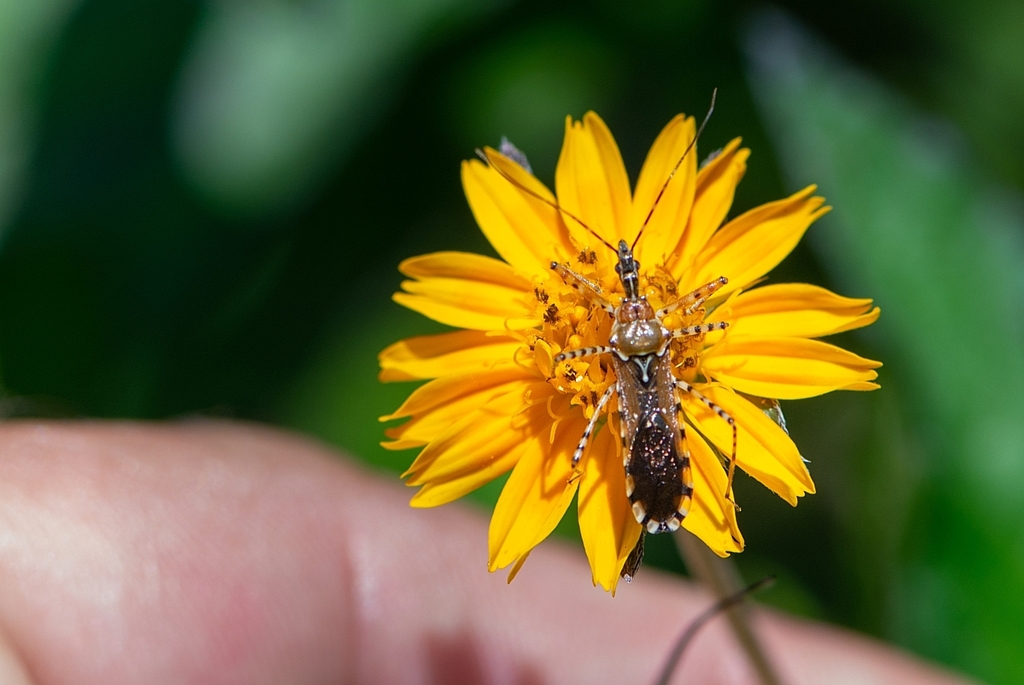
[(636, 330), (638, 338)]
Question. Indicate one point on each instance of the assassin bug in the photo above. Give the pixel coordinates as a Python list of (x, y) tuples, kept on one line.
[(652, 427)]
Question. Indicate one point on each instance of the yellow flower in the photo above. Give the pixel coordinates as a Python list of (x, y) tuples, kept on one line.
[(500, 401)]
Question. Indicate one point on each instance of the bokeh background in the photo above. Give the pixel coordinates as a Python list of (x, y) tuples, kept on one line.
[(202, 205)]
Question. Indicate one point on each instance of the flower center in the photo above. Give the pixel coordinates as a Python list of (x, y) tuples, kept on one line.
[(572, 318)]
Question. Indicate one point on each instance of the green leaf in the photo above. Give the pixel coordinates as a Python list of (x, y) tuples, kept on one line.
[(920, 229), (274, 92), (27, 31)]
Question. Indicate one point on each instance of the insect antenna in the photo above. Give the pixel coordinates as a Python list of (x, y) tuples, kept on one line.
[(554, 205), (696, 137), (696, 624)]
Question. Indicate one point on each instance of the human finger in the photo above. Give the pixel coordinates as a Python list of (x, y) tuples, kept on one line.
[(211, 552)]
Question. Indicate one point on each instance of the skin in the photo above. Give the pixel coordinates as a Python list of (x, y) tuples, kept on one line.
[(224, 553)]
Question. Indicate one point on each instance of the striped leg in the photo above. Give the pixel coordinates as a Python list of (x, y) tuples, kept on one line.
[(598, 408), (694, 300), (583, 352), (697, 330), (583, 285), (692, 392)]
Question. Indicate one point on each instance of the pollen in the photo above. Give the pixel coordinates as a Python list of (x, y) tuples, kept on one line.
[(572, 321)]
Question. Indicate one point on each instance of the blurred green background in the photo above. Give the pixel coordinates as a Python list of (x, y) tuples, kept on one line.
[(202, 205)]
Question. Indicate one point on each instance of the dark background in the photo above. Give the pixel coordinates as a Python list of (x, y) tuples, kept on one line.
[(202, 206)]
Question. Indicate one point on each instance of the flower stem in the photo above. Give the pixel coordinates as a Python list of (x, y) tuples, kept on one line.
[(722, 578)]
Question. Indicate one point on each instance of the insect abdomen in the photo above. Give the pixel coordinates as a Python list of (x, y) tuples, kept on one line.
[(658, 481), (658, 475)]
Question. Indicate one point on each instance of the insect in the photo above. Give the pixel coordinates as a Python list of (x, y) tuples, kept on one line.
[(652, 425), (658, 481)]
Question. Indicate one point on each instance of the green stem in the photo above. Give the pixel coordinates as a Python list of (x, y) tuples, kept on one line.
[(722, 578)]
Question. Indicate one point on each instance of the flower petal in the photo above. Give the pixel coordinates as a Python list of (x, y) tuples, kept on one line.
[(440, 403), (443, 391), (607, 525), (430, 356), (662, 234), (527, 232), (591, 180), (794, 310), (436, 493), (445, 300), (715, 188), (466, 291), (750, 245), (536, 495), (463, 265), (474, 442), (712, 517), (762, 449), (786, 368)]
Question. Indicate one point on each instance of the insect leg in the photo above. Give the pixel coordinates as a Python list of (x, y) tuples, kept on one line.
[(694, 300), (583, 285), (583, 352), (701, 328), (690, 390), (598, 408)]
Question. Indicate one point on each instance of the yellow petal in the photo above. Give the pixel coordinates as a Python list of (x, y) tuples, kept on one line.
[(440, 403), (465, 290), (464, 265), (445, 390), (467, 304), (662, 234), (430, 356), (712, 518), (443, 491), (474, 442), (516, 567), (749, 246), (527, 232), (763, 449), (715, 188), (607, 525), (422, 429), (535, 496), (591, 180), (794, 310), (786, 368)]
